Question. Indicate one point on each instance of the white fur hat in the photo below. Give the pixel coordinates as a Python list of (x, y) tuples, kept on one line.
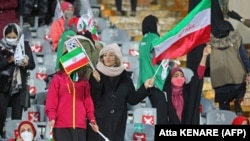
[(113, 48)]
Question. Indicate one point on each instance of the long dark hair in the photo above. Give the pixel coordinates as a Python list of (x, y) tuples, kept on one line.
[(149, 24)]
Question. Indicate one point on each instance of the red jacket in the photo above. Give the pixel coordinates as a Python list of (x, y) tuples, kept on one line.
[(69, 103), (8, 13), (56, 30)]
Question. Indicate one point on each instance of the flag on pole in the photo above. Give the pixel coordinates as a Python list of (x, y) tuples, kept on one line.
[(20, 51), (74, 60), (86, 22), (58, 11), (192, 31), (73, 43)]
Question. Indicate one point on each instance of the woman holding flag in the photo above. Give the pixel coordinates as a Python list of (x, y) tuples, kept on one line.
[(13, 77), (112, 89), (69, 103), (171, 103)]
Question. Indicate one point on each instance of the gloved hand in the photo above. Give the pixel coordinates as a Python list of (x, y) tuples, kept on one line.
[(234, 15), (247, 22)]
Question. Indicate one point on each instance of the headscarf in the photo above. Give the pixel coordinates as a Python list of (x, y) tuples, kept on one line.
[(149, 25), (26, 122), (6, 30), (177, 95), (110, 71), (219, 26)]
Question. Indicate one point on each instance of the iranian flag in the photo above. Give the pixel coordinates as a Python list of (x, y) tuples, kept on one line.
[(73, 60), (192, 31)]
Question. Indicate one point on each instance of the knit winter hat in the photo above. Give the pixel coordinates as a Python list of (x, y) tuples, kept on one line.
[(66, 5), (239, 120), (112, 48), (27, 122)]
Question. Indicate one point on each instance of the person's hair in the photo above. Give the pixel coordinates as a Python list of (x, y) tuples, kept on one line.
[(149, 24), (88, 35), (11, 27), (117, 61), (82, 72)]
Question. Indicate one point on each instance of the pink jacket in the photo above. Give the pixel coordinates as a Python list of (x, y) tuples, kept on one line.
[(69, 103), (56, 30)]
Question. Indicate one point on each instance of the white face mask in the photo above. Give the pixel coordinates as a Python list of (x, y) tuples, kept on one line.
[(27, 136), (11, 41)]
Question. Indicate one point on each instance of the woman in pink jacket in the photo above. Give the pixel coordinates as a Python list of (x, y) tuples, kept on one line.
[(60, 25), (69, 105)]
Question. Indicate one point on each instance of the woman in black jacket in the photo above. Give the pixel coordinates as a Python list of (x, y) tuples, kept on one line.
[(112, 89), (13, 78)]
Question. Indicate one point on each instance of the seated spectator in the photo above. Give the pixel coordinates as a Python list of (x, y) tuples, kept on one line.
[(241, 120), (26, 131)]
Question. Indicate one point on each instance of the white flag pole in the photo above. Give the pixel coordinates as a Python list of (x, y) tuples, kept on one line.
[(158, 69), (161, 65), (100, 133)]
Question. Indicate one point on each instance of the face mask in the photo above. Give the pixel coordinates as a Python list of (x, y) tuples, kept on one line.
[(27, 136), (178, 81), (159, 29), (11, 41), (68, 14)]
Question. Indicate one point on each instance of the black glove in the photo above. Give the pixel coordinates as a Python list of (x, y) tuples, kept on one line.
[(247, 22), (234, 15)]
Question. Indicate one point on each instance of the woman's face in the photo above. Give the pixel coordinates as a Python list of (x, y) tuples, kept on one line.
[(26, 127), (109, 59), (11, 38), (11, 35)]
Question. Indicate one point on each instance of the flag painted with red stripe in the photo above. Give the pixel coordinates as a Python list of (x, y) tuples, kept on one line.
[(73, 60), (192, 31)]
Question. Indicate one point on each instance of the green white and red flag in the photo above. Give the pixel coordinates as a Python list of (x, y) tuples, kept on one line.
[(74, 60), (191, 32)]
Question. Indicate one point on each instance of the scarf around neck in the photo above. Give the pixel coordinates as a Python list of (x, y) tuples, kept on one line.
[(109, 71)]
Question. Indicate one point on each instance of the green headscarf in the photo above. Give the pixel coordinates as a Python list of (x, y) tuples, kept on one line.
[(61, 47)]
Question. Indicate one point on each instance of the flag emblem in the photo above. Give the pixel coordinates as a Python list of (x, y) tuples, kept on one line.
[(74, 59)]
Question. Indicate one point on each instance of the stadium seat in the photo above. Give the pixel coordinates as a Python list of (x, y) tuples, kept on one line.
[(139, 132), (145, 116), (220, 117), (11, 128), (130, 48), (114, 35)]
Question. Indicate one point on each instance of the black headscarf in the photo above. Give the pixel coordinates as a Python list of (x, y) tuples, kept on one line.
[(219, 26), (149, 24)]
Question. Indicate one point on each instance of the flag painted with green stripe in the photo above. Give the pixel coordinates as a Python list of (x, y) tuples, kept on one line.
[(73, 60), (193, 30)]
